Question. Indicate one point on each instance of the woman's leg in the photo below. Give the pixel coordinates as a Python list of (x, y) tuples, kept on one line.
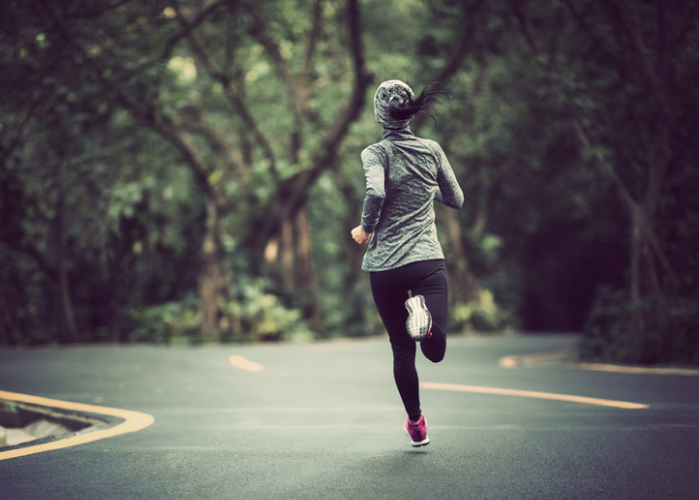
[(390, 294), (434, 287), (390, 290)]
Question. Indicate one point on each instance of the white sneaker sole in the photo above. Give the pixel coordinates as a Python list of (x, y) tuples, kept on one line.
[(419, 320)]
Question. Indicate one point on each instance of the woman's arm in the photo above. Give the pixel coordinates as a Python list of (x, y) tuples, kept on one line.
[(450, 193), (375, 190)]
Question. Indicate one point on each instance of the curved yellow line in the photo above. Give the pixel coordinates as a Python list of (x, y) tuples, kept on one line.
[(133, 421), (534, 394)]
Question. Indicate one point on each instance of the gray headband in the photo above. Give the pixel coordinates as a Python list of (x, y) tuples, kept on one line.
[(387, 91)]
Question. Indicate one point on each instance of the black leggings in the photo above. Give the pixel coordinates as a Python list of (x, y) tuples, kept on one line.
[(390, 289)]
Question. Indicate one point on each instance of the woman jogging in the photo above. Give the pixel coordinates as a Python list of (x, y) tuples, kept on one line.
[(405, 174)]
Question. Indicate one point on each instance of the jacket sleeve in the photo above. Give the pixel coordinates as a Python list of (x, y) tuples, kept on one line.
[(374, 172), (450, 193)]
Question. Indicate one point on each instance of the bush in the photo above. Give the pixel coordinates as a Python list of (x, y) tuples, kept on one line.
[(263, 318), (173, 322), (669, 331), (482, 316)]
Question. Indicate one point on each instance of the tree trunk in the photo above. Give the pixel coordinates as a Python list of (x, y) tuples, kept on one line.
[(112, 304), (287, 255), (464, 283), (66, 304), (293, 253), (306, 271), (11, 323), (212, 282)]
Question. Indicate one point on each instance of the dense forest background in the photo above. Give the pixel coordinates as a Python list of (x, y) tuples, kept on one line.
[(188, 171)]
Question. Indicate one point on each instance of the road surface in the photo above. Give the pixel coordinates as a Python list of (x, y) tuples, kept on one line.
[(324, 421)]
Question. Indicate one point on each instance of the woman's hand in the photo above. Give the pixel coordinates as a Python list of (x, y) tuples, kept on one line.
[(360, 236)]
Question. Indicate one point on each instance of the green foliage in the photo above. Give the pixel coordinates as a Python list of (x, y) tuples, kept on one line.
[(9, 407), (127, 140), (264, 318), (481, 316), (668, 333), (168, 323)]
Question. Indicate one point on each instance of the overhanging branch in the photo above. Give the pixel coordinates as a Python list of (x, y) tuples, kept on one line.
[(291, 195)]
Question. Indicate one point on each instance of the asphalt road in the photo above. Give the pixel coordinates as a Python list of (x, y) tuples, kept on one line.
[(324, 421)]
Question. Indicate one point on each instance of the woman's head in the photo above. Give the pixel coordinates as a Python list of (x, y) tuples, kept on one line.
[(395, 103), (390, 95)]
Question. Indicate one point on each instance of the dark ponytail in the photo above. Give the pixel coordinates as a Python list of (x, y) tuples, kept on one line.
[(421, 105)]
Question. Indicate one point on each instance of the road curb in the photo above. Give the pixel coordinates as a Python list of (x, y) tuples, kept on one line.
[(110, 422), (70, 423)]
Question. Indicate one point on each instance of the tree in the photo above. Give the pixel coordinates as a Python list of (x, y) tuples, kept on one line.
[(190, 169), (630, 67), (130, 68)]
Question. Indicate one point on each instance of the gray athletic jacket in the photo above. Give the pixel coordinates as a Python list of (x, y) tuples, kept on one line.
[(405, 174)]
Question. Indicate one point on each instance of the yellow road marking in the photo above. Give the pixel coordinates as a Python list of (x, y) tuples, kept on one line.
[(133, 421), (244, 364), (533, 394), (688, 372), (518, 359)]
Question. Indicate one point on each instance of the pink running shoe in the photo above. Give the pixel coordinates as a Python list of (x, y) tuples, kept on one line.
[(419, 323), (417, 432)]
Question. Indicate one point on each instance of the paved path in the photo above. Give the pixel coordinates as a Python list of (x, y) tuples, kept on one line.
[(323, 421)]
